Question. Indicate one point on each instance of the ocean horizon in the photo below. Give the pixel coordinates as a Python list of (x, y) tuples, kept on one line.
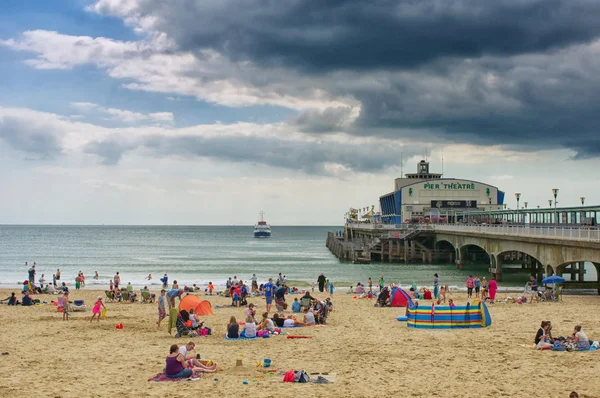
[(198, 254)]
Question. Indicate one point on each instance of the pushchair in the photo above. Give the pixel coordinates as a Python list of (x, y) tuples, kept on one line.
[(183, 330)]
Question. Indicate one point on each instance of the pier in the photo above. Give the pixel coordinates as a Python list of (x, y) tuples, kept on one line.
[(541, 249)]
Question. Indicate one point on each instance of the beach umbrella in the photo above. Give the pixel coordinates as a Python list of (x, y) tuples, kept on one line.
[(551, 280)]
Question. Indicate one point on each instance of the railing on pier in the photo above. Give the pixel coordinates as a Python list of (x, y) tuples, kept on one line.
[(525, 230), (579, 234)]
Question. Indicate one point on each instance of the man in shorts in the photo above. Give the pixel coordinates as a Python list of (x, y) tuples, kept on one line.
[(269, 292)]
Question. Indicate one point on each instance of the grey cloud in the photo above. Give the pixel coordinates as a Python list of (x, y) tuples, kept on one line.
[(322, 121), (310, 157), (317, 36), (29, 137), (109, 151)]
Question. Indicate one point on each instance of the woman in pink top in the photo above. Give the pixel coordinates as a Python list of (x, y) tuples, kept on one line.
[(470, 284), (493, 288)]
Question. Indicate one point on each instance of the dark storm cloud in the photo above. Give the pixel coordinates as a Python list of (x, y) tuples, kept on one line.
[(317, 35), (310, 157), (30, 138), (541, 102)]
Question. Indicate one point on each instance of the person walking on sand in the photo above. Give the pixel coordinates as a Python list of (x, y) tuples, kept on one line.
[(117, 280), (381, 283), (477, 286), (370, 285), (493, 287), (97, 309), (436, 284), (470, 285), (162, 312), (321, 281)]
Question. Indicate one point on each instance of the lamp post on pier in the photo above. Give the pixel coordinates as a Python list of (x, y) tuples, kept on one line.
[(518, 197), (555, 193), (582, 200)]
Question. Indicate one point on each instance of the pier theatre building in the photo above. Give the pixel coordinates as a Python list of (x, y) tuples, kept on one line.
[(425, 196)]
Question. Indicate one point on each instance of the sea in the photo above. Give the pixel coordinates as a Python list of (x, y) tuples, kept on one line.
[(202, 254)]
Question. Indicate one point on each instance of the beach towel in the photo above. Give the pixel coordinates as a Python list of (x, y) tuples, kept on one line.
[(299, 337), (242, 338), (162, 377)]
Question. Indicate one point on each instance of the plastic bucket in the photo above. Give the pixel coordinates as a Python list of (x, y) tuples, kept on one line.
[(266, 363)]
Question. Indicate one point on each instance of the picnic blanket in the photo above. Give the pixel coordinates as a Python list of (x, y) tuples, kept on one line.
[(162, 377)]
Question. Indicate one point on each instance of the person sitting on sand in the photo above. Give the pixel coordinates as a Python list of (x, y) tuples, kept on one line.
[(251, 311), (195, 362), (359, 289), (291, 322), (12, 299), (249, 328), (580, 339), (26, 300), (266, 323), (278, 320), (296, 305), (542, 338), (233, 329), (451, 303), (176, 365), (309, 317), (194, 319)]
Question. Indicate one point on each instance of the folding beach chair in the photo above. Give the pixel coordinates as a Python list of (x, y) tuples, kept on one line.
[(125, 296), (306, 302), (110, 296), (146, 297), (78, 305)]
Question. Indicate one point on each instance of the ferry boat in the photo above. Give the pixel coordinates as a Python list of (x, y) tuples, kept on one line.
[(262, 229)]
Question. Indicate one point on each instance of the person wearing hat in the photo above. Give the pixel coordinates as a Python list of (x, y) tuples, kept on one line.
[(96, 310)]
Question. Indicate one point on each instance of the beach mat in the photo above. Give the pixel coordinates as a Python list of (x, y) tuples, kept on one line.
[(161, 377)]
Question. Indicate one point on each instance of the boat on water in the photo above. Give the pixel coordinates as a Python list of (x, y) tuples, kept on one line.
[(262, 229)]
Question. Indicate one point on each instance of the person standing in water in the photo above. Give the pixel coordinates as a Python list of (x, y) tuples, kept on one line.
[(436, 283), (96, 276)]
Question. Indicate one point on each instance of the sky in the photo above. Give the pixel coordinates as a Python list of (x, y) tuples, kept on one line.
[(205, 112)]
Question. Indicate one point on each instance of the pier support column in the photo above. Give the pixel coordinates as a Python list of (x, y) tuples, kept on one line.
[(496, 267), (405, 251), (581, 271), (458, 259)]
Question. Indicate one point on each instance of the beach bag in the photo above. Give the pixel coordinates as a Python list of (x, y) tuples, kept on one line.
[(289, 377), (301, 377)]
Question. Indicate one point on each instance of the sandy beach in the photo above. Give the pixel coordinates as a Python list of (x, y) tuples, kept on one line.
[(371, 353)]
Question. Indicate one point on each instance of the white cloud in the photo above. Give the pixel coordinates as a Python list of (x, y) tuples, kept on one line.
[(124, 115), (155, 65)]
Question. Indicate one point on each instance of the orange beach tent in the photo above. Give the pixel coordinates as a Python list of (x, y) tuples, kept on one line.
[(201, 307)]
